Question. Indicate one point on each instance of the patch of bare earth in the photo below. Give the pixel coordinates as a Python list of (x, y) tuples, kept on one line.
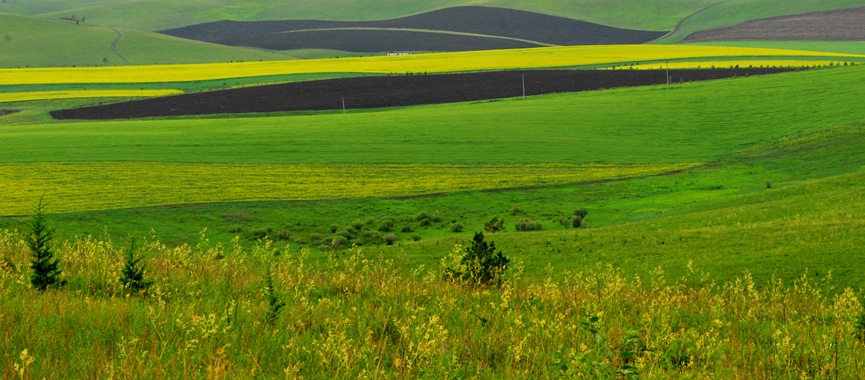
[(475, 28), (394, 91), (837, 25)]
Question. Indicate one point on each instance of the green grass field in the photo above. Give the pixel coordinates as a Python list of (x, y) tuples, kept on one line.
[(747, 142), (847, 47), (38, 42), (739, 255)]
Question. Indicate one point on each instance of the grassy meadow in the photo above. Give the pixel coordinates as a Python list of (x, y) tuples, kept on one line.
[(722, 237), (38, 42)]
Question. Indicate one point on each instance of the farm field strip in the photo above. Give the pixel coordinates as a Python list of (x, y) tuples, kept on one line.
[(551, 57), (6, 97), (736, 63), (82, 186)]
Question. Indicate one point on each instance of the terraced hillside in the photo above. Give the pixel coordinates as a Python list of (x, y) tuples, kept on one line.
[(836, 25), (451, 29)]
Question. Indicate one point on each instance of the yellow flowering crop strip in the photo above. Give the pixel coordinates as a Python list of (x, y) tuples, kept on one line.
[(743, 63), (6, 97), (549, 57), (69, 187)]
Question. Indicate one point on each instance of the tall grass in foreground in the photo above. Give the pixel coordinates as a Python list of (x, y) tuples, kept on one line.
[(208, 315)]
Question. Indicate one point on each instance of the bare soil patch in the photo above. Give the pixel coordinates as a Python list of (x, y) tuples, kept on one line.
[(835, 25), (487, 21), (394, 91), (4, 112)]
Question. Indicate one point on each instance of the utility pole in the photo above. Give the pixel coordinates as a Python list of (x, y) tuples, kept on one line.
[(524, 86), (668, 74), (343, 104)]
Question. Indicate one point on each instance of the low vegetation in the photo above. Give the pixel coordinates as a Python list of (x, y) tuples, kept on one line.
[(225, 311)]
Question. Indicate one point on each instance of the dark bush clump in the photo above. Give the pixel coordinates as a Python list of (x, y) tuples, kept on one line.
[(456, 227), (315, 237), (407, 229), (390, 239), (415, 237), (386, 225)]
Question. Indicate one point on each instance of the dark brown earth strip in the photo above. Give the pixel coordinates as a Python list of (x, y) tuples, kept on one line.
[(835, 25), (487, 21), (4, 112), (393, 91)]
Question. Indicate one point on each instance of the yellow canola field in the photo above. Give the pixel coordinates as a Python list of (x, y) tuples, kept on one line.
[(69, 187), (547, 57), (6, 97), (737, 63)]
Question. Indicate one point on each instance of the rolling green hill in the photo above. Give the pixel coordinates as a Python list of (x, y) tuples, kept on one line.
[(165, 14), (37, 42)]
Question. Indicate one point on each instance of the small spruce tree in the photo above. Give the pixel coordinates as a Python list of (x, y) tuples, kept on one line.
[(494, 225), (481, 264), (274, 301), (46, 268), (132, 274)]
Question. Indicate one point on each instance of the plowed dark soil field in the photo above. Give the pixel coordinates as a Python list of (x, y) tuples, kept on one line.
[(491, 27), (836, 25), (393, 91)]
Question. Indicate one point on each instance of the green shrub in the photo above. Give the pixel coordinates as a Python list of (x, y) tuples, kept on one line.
[(581, 212), (386, 225), (456, 227), (283, 235), (337, 242), (407, 229), (528, 225), (415, 237), (357, 224), (517, 210), (315, 237), (390, 239)]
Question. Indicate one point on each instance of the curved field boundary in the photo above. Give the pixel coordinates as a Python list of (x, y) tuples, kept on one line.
[(474, 20), (374, 40), (84, 186), (82, 94), (391, 91), (552, 57), (836, 25)]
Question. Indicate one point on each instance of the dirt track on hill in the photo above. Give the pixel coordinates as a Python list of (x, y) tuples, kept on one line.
[(480, 21), (393, 91), (836, 25)]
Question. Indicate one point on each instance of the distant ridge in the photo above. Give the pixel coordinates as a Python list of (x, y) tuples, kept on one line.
[(449, 29)]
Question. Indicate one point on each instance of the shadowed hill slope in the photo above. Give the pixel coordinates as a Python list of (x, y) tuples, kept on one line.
[(417, 33), (836, 25)]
